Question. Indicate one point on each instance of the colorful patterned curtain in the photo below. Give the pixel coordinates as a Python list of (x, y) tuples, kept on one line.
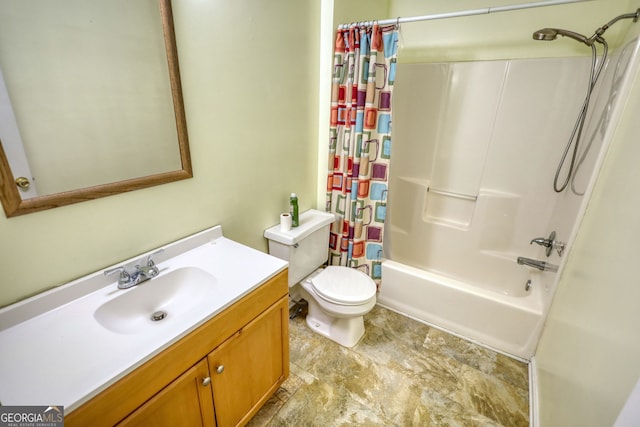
[(360, 144)]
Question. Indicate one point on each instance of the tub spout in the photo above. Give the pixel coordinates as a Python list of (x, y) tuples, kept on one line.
[(540, 265)]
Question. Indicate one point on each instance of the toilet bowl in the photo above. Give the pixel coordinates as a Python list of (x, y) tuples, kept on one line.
[(338, 298)]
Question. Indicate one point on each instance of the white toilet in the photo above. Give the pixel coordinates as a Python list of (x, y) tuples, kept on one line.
[(338, 297)]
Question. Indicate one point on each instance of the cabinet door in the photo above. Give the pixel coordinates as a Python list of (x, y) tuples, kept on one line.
[(248, 367), (187, 401)]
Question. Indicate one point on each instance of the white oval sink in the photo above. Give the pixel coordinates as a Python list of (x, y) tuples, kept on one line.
[(176, 293)]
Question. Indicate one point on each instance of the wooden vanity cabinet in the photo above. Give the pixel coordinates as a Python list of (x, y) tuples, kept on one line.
[(219, 374), (246, 369), (187, 401)]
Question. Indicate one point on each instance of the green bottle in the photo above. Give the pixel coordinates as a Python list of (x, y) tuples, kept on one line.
[(293, 210)]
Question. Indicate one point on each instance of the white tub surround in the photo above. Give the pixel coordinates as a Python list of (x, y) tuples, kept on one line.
[(61, 352), (476, 147)]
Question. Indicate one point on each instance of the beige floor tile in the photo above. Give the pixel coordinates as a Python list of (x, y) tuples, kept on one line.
[(401, 373)]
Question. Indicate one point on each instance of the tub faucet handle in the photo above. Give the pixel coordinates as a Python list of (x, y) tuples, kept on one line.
[(550, 243), (541, 241)]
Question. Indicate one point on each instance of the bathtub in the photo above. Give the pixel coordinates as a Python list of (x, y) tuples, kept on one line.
[(508, 323), (464, 202)]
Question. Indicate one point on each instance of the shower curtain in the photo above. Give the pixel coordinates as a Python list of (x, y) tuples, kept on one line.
[(360, 144)]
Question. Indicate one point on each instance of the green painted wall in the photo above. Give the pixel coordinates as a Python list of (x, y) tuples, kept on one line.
[(251, 108), (500, 35)]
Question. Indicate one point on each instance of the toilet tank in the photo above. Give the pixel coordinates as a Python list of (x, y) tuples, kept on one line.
[(305, 247)]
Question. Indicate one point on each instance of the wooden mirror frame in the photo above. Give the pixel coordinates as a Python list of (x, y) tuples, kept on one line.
[(14, 205)]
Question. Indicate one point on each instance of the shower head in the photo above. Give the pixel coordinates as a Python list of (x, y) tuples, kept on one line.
[(553, 33)]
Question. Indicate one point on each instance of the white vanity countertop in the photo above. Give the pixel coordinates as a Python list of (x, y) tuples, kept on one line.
[(61, 355)]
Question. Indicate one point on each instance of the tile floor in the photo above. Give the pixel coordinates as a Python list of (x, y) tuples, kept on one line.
[(402, 373)]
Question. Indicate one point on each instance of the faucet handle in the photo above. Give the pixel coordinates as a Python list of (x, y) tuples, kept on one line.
[(546, 243), (150, 262), (124, 277), (542, 242), (549, 243)]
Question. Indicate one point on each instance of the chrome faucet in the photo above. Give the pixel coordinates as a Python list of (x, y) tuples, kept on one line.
[(540, 265), (541, 241), (550, 243), (128, 279)]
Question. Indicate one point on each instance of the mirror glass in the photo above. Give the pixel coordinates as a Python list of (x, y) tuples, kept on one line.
[(90, 101)]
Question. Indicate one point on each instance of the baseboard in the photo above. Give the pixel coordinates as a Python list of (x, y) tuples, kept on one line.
[(533, 393)]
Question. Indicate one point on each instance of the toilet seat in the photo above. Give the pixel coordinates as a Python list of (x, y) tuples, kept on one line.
[(344, 286)]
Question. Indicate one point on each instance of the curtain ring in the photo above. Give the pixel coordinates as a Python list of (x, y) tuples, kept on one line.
[(398, 22)]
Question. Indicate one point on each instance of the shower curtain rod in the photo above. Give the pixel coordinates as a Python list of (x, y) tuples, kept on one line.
[(469, 12)]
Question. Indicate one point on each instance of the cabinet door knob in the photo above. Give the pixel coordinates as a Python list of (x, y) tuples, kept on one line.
[(206, 381), (220, 369)]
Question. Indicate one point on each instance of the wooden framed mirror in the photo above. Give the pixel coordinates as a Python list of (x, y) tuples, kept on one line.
[(131, 55)]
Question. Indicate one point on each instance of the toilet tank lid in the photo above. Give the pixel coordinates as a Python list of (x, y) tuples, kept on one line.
[(310, 221)]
